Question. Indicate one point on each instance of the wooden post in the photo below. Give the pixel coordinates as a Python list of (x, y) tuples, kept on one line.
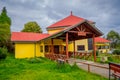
[(67, 45), (52, 47), (109, 71), (74, 47), (61, 49), (88, 67), (94, 50)]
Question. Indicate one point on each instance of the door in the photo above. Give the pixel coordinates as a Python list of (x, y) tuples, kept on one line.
[(56, 49)]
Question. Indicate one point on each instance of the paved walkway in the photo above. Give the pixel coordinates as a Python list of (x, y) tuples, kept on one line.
[(101, 71)]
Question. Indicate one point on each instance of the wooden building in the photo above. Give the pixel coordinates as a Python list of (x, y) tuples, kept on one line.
[(62, 36)]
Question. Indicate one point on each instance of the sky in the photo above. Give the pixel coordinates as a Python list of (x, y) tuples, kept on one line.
[(106, 13)]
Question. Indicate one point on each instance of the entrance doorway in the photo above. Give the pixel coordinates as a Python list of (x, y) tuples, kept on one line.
[(56, 49)]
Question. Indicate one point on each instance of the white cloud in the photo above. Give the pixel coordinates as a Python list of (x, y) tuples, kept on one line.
[(104, 12)]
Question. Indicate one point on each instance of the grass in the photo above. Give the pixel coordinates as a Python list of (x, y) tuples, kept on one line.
[(111, 58), (41, 69)]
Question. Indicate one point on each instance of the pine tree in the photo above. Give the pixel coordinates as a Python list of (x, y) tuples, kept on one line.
[(5, 23), (4, 18)]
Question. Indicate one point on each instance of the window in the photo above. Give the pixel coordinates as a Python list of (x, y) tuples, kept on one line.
[(106, 47), (103, 47), (80, 47), (64, 48), (41, 48), (99, 47), (46, 48), (90, 45)]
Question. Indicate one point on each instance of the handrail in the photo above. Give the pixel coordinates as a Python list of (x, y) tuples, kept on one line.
[(116, 70), (93, 65)]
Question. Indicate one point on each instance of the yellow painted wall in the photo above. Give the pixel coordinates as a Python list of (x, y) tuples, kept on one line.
[(38, 53), (58, 42), (104, 50), (55, 42), (42, 53), (71, 47), (82, 42), (54, 30), (28, 50), (24, 50), (103, 44), (77, 42)]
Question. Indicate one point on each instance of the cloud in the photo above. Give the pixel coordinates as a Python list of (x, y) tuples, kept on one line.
[(45, 12)]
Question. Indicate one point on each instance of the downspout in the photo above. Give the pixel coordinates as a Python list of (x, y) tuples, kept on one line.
[(34, 50)]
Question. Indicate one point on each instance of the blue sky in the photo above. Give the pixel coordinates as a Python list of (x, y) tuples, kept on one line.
[(106, 13)]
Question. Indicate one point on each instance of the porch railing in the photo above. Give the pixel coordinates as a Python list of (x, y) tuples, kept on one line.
[(63, 56), (56, 57)]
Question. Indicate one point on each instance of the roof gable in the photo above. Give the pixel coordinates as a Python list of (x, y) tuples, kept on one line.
[(73, 36)]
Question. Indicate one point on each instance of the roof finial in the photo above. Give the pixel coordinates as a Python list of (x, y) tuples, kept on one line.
[(71, 12)]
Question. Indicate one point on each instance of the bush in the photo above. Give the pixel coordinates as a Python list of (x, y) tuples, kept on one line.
[(97, 53), (110, 59), (3, 53), (117, 51), (65, 67), (75, 67), (34, 60)]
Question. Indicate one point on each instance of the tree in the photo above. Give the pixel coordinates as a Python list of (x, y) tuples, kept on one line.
[(5, 23), (4, 18), (114, 37), (32, 27), (4, 32)]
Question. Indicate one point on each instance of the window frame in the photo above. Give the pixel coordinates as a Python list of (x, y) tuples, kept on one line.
[(82, 48)]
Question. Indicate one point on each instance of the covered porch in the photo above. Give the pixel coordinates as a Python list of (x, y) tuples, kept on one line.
[(82, 30)]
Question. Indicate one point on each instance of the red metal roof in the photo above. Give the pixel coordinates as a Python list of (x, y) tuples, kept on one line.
[(68, 21), (27, 36), (101, 40)]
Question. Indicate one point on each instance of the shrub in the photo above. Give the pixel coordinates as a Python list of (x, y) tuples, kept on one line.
[(65, 67), (34, 60), (75, 67), (3, 53), (117, 51), (110, 59), (97, 53), (62, 67)]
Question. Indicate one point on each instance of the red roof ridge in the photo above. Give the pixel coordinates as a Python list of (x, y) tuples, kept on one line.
[(68, 21)]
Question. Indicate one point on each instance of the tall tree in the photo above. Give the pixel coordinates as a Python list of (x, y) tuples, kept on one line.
[(5, 23), (32, 27), (4, 18), (114, 37)]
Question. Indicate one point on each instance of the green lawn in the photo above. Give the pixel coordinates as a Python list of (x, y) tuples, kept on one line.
[(43, 69)]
